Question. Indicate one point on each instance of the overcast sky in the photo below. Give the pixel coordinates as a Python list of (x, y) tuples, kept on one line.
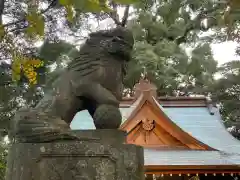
[(223, 52)]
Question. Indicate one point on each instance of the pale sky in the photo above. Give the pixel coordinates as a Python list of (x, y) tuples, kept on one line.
[(224, 52)]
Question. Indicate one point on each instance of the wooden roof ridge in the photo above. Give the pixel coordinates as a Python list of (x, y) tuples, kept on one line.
[(174, 101), (167, 124), (145, 86), (178, 98)]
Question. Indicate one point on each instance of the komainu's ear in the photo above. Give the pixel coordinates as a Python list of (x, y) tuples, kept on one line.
[(98, 33), (94, 34)]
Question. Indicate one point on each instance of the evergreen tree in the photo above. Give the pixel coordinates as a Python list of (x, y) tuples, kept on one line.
[(164, 30), (14, 96), (172, 46), (226, 91)]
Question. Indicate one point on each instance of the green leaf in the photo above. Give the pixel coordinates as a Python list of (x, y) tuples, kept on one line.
[(93, 6), (69, 11), (36, 24), (16, 67), (126, 1), (2, 32), (164, 10), (2, 166), (50, 52), (65, 2), (177, 29), (96, 6)]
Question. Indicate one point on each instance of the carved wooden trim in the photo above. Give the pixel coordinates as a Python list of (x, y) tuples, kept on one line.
[(152, 119), (148, 124)]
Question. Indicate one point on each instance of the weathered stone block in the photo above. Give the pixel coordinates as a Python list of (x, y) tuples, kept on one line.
[(98, 155)]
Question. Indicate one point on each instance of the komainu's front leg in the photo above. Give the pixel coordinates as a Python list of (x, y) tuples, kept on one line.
[(106, 114), (107, 117)]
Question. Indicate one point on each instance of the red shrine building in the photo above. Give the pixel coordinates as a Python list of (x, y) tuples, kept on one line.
[(183, 137)]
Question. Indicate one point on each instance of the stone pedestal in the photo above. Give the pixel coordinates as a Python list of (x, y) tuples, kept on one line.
[(98, 155)]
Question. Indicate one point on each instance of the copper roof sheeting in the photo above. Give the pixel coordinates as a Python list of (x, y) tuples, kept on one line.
[(198, 122), (156, 157)]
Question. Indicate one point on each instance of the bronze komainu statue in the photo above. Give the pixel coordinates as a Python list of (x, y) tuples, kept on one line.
[(92, 81)]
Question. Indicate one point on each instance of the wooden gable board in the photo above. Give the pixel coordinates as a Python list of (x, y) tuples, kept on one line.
[(149, 126)]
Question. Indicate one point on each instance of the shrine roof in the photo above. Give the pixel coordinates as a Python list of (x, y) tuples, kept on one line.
[(207, 128), (197, 121), (154, 157), (194, 116)]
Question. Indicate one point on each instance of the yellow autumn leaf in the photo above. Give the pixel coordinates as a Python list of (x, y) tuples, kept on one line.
[(29, 70), (22, 65)]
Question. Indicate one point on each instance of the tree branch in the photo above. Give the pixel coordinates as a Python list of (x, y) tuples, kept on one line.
[(2, 2), (193, 25), (17, 29), (125, 16), (183, 38), (51, 5), (114, 15)]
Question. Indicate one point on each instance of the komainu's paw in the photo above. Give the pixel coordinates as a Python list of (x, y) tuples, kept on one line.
[(31, 126), (107, 117)]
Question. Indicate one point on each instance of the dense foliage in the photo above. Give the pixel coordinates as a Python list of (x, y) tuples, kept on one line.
[(25, 66), (226, 91), (3, 159), (173, 41), (172, 47), (173, 37)]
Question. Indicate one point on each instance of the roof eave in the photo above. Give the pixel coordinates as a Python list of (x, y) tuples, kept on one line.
[(191, 169), (147, 97)]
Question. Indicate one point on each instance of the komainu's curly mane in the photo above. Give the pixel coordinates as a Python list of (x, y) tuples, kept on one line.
[(100, 48), (95, 76), (92, 81)]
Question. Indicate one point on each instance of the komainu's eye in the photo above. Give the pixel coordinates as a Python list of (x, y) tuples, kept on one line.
[(103, 43), (120, 37), (117, 38)]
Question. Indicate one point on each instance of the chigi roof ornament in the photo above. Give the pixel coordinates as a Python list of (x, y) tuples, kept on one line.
[(145, 86)]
